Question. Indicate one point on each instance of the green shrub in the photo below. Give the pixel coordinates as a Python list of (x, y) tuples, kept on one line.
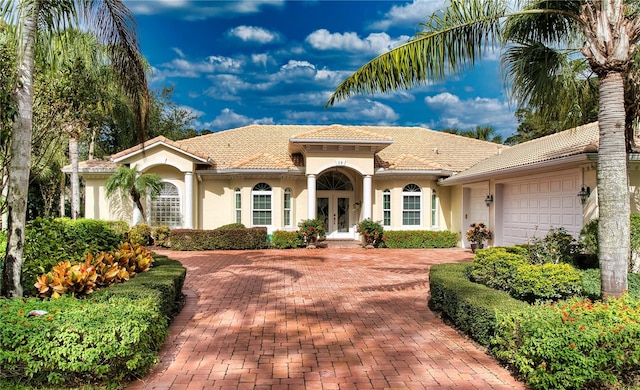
[(496, 267), (285, 240), (546, 282), (573, 344), (591, 284), (232, 226), (111, 337), (312, 230), (226, 239), (372, 232), (471, 306), (160, 236), (51, 241), (141, 234), (588, 242), (420, 239), (558, 246)]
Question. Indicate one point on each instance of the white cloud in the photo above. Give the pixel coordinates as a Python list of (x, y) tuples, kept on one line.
[(409, 14), (469, 113), (179, 52), (228, 119), (261, 59), (254, 34), (182, 67), (375, 43), (227, 87), (199, 10), (362, 111)]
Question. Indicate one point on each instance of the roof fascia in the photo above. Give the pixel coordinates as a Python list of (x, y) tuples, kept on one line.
[(583, 157), (429, 172), (233, 171)]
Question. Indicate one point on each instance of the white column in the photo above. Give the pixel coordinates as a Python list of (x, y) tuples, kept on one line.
[(366, 197), (188, 195), (137, 215), (311, 197)]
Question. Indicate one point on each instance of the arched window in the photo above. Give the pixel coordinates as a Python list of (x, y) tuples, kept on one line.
[(434, 209), (238, 204), (287, 207), (386, 207), (411, 205), (261, 204), (334, 181), (165, 209)]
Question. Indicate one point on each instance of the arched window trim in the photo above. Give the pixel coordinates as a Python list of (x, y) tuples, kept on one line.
[(435, 204), (237, 194), (412, 205), (170, 202), (287, 207), (334, 181), (386, 207), (262, 205)]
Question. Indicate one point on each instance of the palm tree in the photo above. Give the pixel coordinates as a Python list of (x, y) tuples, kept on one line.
[(605, 32), (113, 24), (131, 184)]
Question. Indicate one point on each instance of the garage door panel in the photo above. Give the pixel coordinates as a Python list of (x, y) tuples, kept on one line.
[(530, 208)]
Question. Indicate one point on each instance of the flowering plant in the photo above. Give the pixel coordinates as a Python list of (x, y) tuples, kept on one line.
[(371, 232), (312, 230), (478, 233)]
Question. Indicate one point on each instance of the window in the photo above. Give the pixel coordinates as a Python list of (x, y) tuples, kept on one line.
[(334, 181), (261, 204), (238, 201), (434, 209), (411, 205), (287, 207), (165, 209), (386, 208)]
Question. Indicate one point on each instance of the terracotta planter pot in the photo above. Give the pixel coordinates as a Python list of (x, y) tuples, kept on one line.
[(476, 246)]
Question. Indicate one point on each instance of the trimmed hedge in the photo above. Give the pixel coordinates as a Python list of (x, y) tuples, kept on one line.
[(420, 239), (471, 306), (112, 336), (226, 239), (286, 240)]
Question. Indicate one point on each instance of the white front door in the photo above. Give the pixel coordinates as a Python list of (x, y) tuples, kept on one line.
[(335, 211)]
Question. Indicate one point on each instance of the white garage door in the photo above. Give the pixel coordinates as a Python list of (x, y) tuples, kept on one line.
[(532, 207)]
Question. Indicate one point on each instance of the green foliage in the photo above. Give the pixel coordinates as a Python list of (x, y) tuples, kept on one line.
[(372, 232), (51, 241), (589, 238), (286, 240), (312, 230), (471, 306), (591, 284), (545, 282), (141, 234), (558, 246), (226, 239), (160, 236), (420, 239), (502, 269), (232, 226), (573, 344), (110, 338)]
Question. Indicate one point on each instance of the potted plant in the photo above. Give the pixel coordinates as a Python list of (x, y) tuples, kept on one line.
[(312, 230), (478, 234), (371, 232)]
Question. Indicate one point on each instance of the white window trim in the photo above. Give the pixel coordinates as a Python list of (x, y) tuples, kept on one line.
[(289, 192), (236, 192), (420, 210), (149, 202), (253, 193), (386, 192)]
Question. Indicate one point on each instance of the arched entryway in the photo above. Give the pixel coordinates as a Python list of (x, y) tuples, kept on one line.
[(335, 201)]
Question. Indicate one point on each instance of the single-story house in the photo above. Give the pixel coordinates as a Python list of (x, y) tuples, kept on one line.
[(406, 177)]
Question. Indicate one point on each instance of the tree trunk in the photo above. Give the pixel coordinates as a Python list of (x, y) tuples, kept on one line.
[(63, 188), (613, 188), (75, 179), (92, 143), (20, 152)]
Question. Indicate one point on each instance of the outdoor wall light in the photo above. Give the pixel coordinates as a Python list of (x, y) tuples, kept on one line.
[(584, 194), (488, 200)]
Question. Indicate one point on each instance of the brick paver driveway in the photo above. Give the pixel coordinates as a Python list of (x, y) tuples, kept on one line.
[(317, 319)]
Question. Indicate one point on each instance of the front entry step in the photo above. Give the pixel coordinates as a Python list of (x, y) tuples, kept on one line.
[(334, 243)]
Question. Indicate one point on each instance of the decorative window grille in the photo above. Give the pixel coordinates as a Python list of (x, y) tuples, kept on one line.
[(262, 194), (165, 209), (411, 205)]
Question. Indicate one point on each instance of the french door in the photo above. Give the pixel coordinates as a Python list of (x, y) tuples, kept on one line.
[(335, 212)]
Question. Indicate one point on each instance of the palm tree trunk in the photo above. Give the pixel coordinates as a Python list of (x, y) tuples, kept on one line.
[(613, 188), (75, 179), (20, 153)]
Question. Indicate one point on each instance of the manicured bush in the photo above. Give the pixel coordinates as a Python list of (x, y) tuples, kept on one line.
[(226, 239), (141, 234), (496, 267), (232, 226), (51, 241), (591, 284), (160, 236), (558, 246), (285, 240), (420, 239), (545, 282), (471, 306), (111, 337), (573, 344)]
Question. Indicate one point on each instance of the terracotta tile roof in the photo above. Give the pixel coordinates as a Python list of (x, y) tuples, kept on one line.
[(583, 139), (154, 141), (95, 165), (429, 149)]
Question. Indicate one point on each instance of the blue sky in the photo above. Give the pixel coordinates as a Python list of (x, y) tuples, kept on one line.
[(234, 63)]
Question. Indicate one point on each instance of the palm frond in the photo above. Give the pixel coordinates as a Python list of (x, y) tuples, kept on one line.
[(551, 22), (451, 42)]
